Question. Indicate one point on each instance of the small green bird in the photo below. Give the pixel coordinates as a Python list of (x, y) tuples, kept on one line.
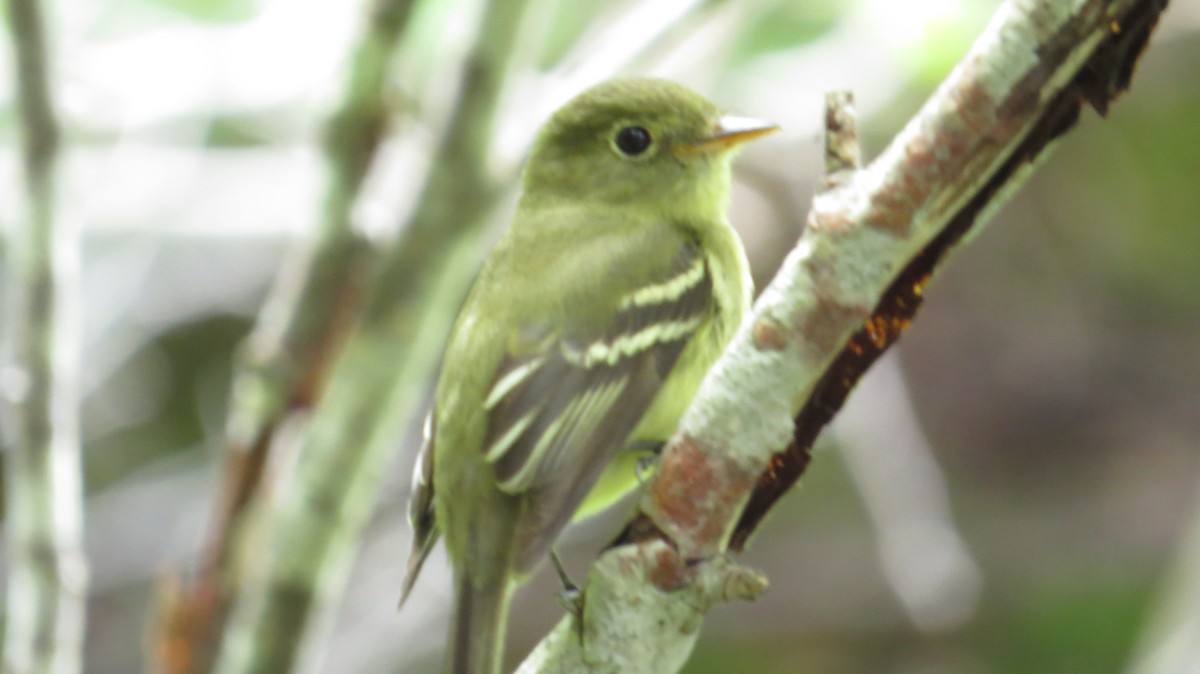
[(587, 332)]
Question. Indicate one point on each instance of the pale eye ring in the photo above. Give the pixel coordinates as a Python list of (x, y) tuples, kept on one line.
[(633, 140)]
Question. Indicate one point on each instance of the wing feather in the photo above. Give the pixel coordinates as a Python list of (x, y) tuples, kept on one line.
[(579, 389)]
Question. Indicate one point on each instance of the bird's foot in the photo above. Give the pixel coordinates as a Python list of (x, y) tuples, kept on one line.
[(570, 597), (650, 451)]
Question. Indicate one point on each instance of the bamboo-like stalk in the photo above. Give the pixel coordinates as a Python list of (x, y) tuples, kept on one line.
[(318, 512), (47, 573), (284, 362)]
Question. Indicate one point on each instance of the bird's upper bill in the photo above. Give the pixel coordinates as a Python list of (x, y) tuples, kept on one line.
[(729, 131)]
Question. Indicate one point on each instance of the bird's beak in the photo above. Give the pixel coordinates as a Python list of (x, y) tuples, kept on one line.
[(729, 131)]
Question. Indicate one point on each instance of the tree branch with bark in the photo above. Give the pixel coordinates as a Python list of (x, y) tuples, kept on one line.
[(875, 237)]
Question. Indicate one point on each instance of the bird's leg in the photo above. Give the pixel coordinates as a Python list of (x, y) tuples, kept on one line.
[(570, 597)]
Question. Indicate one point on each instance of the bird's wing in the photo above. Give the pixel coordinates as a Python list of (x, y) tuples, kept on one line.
[(421, 515), (559, 411)]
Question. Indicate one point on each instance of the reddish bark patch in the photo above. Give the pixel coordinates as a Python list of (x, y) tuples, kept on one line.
[(668, 571), (697, 495), (768, 336), (832, 221), (826, 326)]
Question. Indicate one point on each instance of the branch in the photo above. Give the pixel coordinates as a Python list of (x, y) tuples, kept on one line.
[(47, 572), (845, 293), (377, 380), (285, 361)]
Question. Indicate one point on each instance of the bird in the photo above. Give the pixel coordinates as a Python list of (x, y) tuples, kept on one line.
[(616, 285)]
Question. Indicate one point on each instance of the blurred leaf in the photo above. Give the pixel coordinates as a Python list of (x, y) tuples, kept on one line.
[(1128, 198), (193, 350), (781, 25), (773, 656), (261, 128), (1087, 628), (571, 18), (118, 19), (946, 38), (1156, 204), (213, 11)]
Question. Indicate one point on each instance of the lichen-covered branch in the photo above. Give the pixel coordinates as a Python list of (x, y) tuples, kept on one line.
[(47, 573), (845, 293), (317, 512)]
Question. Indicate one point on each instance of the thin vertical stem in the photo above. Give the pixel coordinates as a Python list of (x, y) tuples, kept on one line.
[(47, 574), (283, 365), (318, 512)]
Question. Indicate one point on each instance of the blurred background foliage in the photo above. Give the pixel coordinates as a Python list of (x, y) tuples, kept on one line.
[(1048, 394)]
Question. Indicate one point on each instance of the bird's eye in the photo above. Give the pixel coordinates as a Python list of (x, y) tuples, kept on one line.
[(633, 140)]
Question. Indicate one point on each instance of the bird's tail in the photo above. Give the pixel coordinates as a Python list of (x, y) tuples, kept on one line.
[(477, 633)]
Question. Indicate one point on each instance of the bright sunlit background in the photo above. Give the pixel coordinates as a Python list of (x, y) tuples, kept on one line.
[(1011, 491)]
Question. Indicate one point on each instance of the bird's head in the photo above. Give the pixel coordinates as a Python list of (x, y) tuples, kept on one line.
[(645, 143)]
